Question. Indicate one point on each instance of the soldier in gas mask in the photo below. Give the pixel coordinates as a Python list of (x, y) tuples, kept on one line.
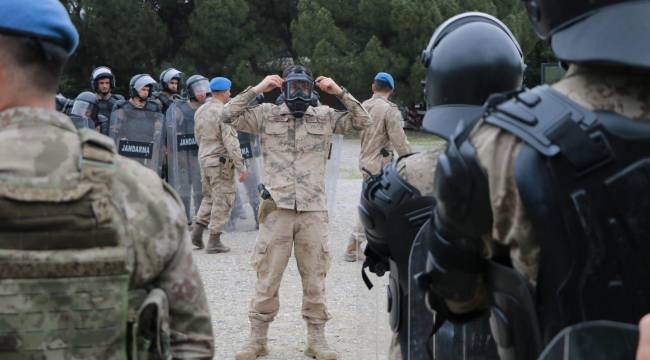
[(295, 139), (102, 81)]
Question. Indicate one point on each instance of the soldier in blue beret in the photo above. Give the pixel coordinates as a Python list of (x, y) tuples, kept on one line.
[(89, 240)]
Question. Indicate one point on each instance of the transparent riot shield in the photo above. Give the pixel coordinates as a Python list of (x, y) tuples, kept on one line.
[(332, 170), (182, 155), (82, 122), (244, 213), (138, 134)]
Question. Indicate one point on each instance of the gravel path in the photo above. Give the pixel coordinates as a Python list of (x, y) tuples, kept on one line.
[(359, 325)]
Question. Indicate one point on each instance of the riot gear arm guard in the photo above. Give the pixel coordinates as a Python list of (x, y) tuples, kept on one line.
[(456, 264)]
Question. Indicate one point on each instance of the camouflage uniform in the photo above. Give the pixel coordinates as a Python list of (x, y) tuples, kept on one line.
[(377, 144), (294, 152), (594, 89), (216, 141), (145, 212)]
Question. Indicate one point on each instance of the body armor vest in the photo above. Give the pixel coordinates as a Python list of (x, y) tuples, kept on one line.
[(63, 268), (583, 178), (106, 107)]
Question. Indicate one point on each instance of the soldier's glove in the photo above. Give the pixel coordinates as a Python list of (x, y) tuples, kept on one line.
[(376, 263)]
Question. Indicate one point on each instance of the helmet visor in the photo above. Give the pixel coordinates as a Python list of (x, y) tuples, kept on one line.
[(82, 108), (299, 89), (201, 87)]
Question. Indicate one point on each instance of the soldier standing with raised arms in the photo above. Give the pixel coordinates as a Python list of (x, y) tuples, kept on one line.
[(295, 141)]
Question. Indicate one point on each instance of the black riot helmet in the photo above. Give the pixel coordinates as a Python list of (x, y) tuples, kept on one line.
[(85, 105), (197, 84), (138, 82), (168, 75), (297, 89), (605, 32), (101, 72), (469, 57)]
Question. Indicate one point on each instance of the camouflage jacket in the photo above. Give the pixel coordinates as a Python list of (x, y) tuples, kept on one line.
[(215, 138), (497, 150), (151, 220), (295, 150), (384, 134)]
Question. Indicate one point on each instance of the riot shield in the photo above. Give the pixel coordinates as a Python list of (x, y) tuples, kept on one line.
[(138, 134), (183, 155), (82, 122), (470, 340), (421, 320), (332, 170), (244, 213)]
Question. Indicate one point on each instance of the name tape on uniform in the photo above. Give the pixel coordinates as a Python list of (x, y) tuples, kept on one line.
[(136, 149)]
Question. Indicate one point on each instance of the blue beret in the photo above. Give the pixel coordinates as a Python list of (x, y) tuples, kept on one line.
[(43, 19), (220, 84), (386, 77)]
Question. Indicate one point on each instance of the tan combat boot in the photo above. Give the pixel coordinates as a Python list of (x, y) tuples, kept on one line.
[(317, 347), (256, 345), (215, 245), (197, 235), (353, 251)]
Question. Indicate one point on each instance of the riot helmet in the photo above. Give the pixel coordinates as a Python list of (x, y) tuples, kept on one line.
[(297, 89), (138, 82), (607, 32), (167, 76), (85, 105), (196, 86), (102, 72), (469, 57)]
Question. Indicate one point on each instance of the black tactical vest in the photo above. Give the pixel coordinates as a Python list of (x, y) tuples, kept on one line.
[(584, 178), (106, 107)]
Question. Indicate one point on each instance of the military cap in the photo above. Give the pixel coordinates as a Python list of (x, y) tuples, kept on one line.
[(387, 78), (45, 20), (220, 84)]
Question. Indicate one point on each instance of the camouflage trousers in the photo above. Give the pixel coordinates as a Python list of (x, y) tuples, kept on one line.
[(306, 233), (218, 184), (358, 236)]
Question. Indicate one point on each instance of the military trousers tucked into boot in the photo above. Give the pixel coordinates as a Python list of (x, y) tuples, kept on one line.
[(280, 232), (219, 187)]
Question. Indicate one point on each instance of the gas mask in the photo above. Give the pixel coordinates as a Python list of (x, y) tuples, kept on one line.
[(297, 92)]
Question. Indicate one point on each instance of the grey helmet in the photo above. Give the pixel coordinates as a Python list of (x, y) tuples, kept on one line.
[(138, 82), (101, 73), (196, 84), (85, 105), (168, 75)]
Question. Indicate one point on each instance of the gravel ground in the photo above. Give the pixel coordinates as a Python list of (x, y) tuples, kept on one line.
[(359, 325)]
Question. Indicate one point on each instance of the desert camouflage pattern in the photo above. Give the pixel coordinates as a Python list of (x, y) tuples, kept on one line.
[(215, 138), (386, 132), (419, 169), (295, 151), (305, 233), (149, 228), (219, 189)]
